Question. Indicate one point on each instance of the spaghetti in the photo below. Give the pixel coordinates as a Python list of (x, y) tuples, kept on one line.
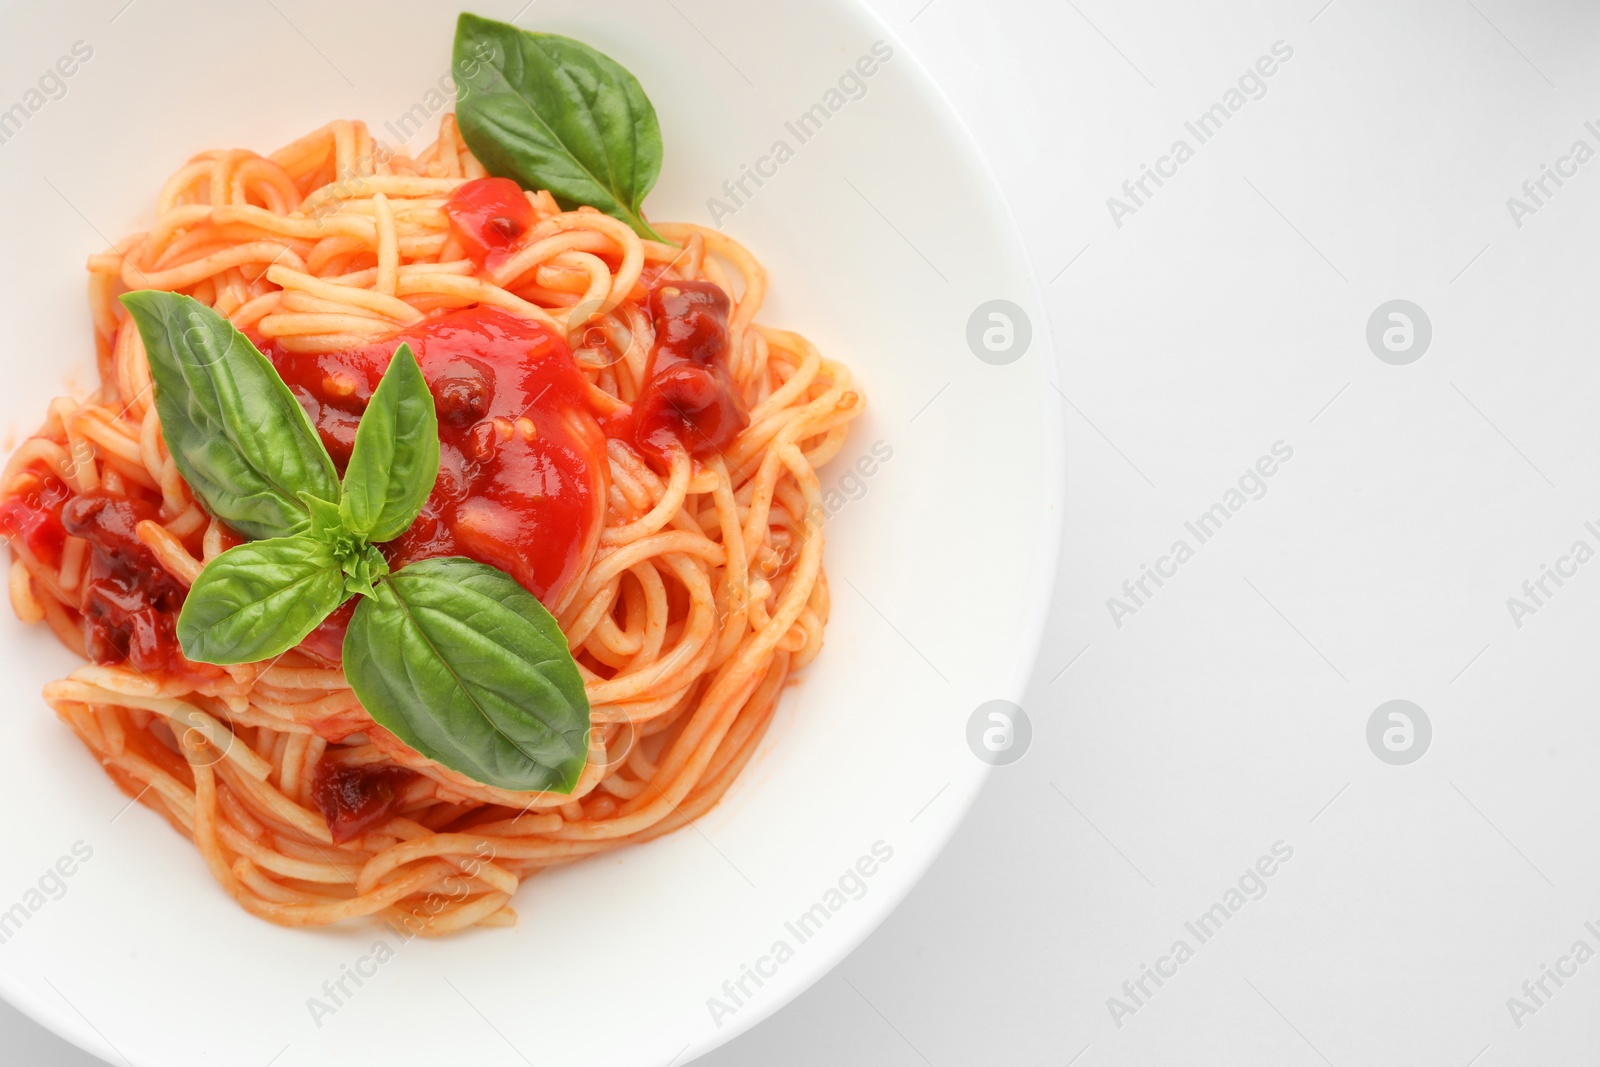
[(698, 595)]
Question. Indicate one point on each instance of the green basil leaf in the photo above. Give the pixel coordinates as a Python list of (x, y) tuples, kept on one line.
[(553, 113), (236, 433), (259, 600), (396, 457), (464, 665)]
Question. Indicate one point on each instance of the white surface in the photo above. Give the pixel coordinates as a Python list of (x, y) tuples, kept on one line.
[(612, 961), (1207, 728)]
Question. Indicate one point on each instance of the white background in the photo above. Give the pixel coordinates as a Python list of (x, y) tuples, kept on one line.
[(1229, 713)]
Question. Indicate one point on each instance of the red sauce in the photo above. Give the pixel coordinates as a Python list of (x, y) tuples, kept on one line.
[(326, 642), (129, 602), (490, 216), (522, 459), (34, 515), (357, 799), (688, 402)]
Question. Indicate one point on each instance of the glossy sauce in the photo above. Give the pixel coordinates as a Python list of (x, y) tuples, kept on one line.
[(688, 402), (34, 515), (490, 216), (522, 458), (357, 799)]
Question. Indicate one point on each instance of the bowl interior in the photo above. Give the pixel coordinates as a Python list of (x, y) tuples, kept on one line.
[(883, 234)]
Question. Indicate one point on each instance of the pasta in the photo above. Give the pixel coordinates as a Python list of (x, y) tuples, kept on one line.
[(700, 596)]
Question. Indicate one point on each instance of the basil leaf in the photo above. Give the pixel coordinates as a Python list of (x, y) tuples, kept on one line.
[(396, 456), (259, 599), (461, 663), (236, 433), (553, 113)]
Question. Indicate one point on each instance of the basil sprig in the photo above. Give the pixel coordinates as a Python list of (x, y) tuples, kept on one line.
[(553, 113), (452, 656)]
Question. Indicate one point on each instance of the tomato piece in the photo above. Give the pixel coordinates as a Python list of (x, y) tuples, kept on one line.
[(489, 215), (357, 799), (130, 602)]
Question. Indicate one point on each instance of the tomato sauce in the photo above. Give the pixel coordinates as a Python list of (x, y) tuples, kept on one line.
[(130, 602), (522, 459), (688, 402), (357, 799), (34, 515)]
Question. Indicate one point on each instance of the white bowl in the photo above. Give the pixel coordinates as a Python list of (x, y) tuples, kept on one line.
[(883, 235)]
